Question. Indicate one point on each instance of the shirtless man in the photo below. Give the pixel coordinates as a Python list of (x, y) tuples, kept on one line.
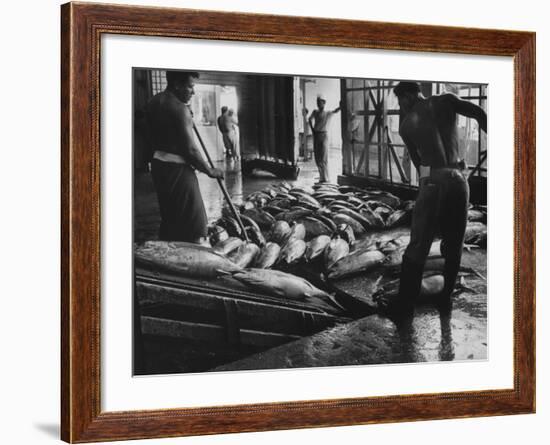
[(429, 130), (320, 135), (175, 159)]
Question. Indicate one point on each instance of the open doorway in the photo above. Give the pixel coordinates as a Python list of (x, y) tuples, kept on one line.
[(309, 89), (206, 105)]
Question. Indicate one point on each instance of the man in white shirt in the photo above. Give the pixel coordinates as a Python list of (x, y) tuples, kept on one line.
[(318, 122)]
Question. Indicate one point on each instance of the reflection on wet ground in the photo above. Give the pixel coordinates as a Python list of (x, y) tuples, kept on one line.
[(431, 335), (457, 333)]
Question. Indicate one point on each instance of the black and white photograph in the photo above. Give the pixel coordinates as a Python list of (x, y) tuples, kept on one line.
[(291, 221)]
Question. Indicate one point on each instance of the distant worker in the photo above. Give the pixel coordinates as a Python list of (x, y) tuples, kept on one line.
[(429, 130), (175, 158), (227, 124), (318, 122)]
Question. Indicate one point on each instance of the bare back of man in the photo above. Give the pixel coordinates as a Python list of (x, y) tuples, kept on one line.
[(429, 129)]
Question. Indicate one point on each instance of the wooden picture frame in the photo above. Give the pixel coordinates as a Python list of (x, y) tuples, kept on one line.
[(82, 26)]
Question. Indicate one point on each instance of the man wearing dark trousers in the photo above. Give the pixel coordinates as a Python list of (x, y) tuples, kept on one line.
[(429, 130), (175, 159), (318, 122)]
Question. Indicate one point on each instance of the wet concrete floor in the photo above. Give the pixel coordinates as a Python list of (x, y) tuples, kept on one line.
[(455, 333)]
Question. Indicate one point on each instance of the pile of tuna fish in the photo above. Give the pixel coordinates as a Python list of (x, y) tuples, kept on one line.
[(318, 225), (339, 231), (286, 225)]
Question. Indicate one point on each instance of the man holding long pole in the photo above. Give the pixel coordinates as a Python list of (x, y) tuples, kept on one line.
[(175, 159)]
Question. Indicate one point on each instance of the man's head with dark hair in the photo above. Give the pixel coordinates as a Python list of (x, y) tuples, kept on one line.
[(224, 109), (174, 77), (182, 83), (407, 93), (403, 88)]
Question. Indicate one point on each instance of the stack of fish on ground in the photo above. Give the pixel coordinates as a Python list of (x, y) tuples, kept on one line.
[(201, 262), (286, 225), (339, 229)]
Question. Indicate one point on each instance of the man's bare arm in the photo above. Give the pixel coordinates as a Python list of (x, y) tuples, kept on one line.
[(189, 149), (310, 121), (468, 109)]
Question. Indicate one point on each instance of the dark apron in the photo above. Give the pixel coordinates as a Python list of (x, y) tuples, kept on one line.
[(183, 217)]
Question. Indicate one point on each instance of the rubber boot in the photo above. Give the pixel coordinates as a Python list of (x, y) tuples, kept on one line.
[(410, 283)]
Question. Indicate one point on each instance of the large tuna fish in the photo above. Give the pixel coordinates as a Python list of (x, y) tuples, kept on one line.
[(273, 210), (398, 218), (357, 202), (385, 197), (314, 227), (316, 247), (336, 250), (474, 232), (374, 220), (302, 189), (357, 227), (217, 234), (293, 214), (356, 262), (247, 205), (253, 231), (255, 235), (288, 196), (303, 197), (346, 233), (271, 191), (229, 245), (297, 231), (281, 203), (231, 225), (185, 258), (287, 286), (279, 232), (329, 196), (245, 254), (293, 250), (263, 219), (357, 217), (350, 189), (325, 219), (475, 215), (383, 212), (373, 205), (267, 256), (249, 222)]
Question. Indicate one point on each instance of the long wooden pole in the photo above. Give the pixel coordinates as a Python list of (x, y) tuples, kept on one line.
[(222, 185)]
